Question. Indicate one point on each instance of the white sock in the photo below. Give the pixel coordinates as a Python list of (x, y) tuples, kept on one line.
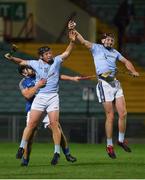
[(109, 142), (121, 137), (57, 148), (23, 143)]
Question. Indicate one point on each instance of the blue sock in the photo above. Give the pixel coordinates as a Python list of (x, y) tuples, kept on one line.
[(66, 151)]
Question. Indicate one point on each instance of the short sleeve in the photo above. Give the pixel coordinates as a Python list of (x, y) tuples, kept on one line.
[(58, 60), (95, 48), (32, 63), (22, 85), (26, 83), (119, 56)]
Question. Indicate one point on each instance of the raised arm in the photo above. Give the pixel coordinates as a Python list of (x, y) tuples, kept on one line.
[(67, 52), (15, 59), (130, 67), (28, 93), (83, 41), (71, 27)]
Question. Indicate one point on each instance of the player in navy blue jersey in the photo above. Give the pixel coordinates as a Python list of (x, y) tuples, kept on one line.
[(29, 88)]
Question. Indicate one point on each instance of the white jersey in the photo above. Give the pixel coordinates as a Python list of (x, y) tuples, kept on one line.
[(104, 59), (49, 72)]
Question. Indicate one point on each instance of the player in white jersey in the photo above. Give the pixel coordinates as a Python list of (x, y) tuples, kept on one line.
[(29, 89), (109, 90), (47, 99)]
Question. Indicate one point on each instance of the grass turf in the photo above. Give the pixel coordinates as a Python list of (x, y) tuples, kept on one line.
[(92, 163)]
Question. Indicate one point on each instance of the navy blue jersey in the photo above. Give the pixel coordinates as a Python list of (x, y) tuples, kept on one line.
[(27, 82)]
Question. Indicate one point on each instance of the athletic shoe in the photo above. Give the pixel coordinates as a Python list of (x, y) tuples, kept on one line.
[(20, 153), (24, 162), (70, 158), (110, 151), (124, 146), (55, 159)]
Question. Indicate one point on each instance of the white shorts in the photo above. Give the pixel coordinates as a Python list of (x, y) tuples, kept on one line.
[(108, 91), (46, 102), (45, 121)]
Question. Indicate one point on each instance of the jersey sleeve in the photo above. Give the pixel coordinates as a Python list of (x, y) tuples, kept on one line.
[(95, 48), (25, 83), (22, 85), (32, 63), (58, 60), (119, 56)]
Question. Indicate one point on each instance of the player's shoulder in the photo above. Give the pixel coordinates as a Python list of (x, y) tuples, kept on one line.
[(33, 62), (97, 46), (58, 59), (27, 82), (115, 51), (22, 81), (22, 84)]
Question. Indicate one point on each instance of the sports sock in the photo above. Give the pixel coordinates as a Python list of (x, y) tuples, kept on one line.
[(66, 151), (23, 143), (57, 148), (121, 137), (109, 142)]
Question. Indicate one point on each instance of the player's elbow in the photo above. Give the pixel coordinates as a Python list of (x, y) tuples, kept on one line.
[(27, 96), (22, 63), (87, 44)]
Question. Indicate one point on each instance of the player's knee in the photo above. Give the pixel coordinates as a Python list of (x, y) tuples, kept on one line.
[(110, 116), (54, 124), (123, 115), (32, 125)]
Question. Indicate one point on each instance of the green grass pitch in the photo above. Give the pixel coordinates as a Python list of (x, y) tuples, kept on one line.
[(92, 163)]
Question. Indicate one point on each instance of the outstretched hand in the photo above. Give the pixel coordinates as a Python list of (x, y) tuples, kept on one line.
[(8, 56), (41, 83), (71, 25), (134, 74)]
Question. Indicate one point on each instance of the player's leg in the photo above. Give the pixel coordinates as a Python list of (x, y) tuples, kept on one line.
[(105, 93), (56, 134), (28, 149), (38, 106), (53, 115), (122, 112), (65, 147), (35, 116), (109, 111), (63, 142)]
